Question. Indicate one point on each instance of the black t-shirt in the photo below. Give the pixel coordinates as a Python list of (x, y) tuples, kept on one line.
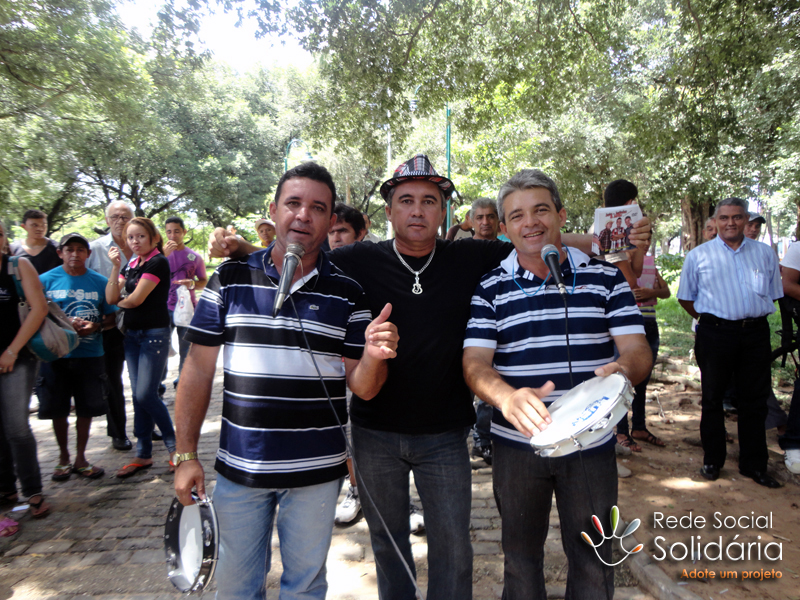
[(44, 261), (425, 390), (9, 310), (153, 312)]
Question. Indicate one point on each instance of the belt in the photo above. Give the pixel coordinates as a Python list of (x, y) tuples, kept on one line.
[(709, 319)]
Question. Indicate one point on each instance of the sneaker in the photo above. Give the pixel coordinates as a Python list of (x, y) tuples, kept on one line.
[(416, 520), (621, 450), (792, 460), (348, 509), (484, 452)]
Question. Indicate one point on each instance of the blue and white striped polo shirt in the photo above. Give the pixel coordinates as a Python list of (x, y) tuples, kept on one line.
[(278, 430), (731, 284), (527, 332)]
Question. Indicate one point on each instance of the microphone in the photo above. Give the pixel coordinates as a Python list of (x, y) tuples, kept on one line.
[(551, 258), (294, 252)]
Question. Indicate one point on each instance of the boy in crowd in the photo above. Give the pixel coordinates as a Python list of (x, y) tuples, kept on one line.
[(80, 292)]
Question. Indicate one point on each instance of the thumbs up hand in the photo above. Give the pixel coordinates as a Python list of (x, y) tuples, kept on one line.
[(381, 336)]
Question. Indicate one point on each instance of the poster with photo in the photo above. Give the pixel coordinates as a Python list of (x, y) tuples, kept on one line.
[(612, 226)]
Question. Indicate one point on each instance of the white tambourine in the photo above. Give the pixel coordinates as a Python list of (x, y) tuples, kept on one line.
[(191, 542), (584, 415)]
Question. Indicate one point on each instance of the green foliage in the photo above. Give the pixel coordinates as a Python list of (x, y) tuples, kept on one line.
[(670, 266)]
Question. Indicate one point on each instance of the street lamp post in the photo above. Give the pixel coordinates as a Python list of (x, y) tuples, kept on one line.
[(291, 143)]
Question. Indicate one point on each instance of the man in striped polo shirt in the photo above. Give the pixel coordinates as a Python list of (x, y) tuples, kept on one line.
[(730, 285), (515, 358), (280, 443)]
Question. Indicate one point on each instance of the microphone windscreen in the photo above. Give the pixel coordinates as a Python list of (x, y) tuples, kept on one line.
[(296, 249), (549, 249)]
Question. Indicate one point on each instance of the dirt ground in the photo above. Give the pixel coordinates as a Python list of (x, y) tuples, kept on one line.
[(666, 483)]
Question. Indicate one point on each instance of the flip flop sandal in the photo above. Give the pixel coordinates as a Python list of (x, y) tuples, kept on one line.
[(89, 471), (649, 438), (130, 469), (62, 472), (38, 506), (628, 442), (8, 527)]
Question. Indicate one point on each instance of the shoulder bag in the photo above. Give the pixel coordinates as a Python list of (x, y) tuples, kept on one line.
[(56, 336)]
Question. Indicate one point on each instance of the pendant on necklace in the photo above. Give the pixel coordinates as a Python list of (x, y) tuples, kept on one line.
[(416, 288)]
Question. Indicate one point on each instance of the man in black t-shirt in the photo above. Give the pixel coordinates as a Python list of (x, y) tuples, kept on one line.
[(420, 419), (40, 250)]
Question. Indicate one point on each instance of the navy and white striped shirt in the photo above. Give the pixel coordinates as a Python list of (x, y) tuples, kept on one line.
[(278, 430), (527, 332), (731, 284)]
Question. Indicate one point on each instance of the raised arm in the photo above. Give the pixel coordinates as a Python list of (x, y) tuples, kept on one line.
[(224, 244)]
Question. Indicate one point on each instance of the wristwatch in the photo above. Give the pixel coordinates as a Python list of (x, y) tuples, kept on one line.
[(179, 458)]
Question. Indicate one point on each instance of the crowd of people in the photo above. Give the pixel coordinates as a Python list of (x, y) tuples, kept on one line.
[(411, 342), (119, 294)]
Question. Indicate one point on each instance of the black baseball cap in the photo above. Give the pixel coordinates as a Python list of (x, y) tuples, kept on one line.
[(73, 236)]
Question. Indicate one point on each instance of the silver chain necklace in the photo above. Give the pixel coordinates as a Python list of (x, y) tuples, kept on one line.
[(416, 288)]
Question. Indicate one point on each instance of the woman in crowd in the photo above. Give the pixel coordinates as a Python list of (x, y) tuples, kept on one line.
[(17, 373), (146, 281)]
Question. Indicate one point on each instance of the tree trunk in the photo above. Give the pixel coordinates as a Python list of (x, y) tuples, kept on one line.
[(693, 218), (797, 225)]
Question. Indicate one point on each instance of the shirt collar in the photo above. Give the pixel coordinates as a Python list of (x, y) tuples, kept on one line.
[(262, 259), (745, 241), (135, 261), (511, 265)]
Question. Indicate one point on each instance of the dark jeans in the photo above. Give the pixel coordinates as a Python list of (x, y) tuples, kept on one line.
[(481, 434), (114, 356), (146, 353), (442, 474), (640, 391), (523, 488), (791, 439), (17, 444), (726, 352)]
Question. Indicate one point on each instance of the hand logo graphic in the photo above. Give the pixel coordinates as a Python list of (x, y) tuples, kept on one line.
[(633, 526)]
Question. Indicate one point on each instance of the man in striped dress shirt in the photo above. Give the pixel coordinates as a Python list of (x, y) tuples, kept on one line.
[(280, 443), (515, 358), (730, 285)]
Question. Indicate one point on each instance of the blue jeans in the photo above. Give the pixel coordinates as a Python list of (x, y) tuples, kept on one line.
[(146, 352), (17, 444), (305, 527), (442, 474), (640, 390), (523, 488)]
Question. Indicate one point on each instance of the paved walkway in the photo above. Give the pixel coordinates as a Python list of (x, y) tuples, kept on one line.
[(103, 539)]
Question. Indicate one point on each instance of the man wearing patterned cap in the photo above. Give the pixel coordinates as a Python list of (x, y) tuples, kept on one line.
[(420, 419)]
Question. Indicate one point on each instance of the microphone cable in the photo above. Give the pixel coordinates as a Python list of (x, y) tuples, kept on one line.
[(572, 385), (362, 487)]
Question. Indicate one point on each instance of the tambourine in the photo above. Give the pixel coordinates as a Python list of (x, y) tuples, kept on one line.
[(584, 415), (191, 542)]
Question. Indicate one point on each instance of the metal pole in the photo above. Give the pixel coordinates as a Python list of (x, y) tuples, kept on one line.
[(447, 142)]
